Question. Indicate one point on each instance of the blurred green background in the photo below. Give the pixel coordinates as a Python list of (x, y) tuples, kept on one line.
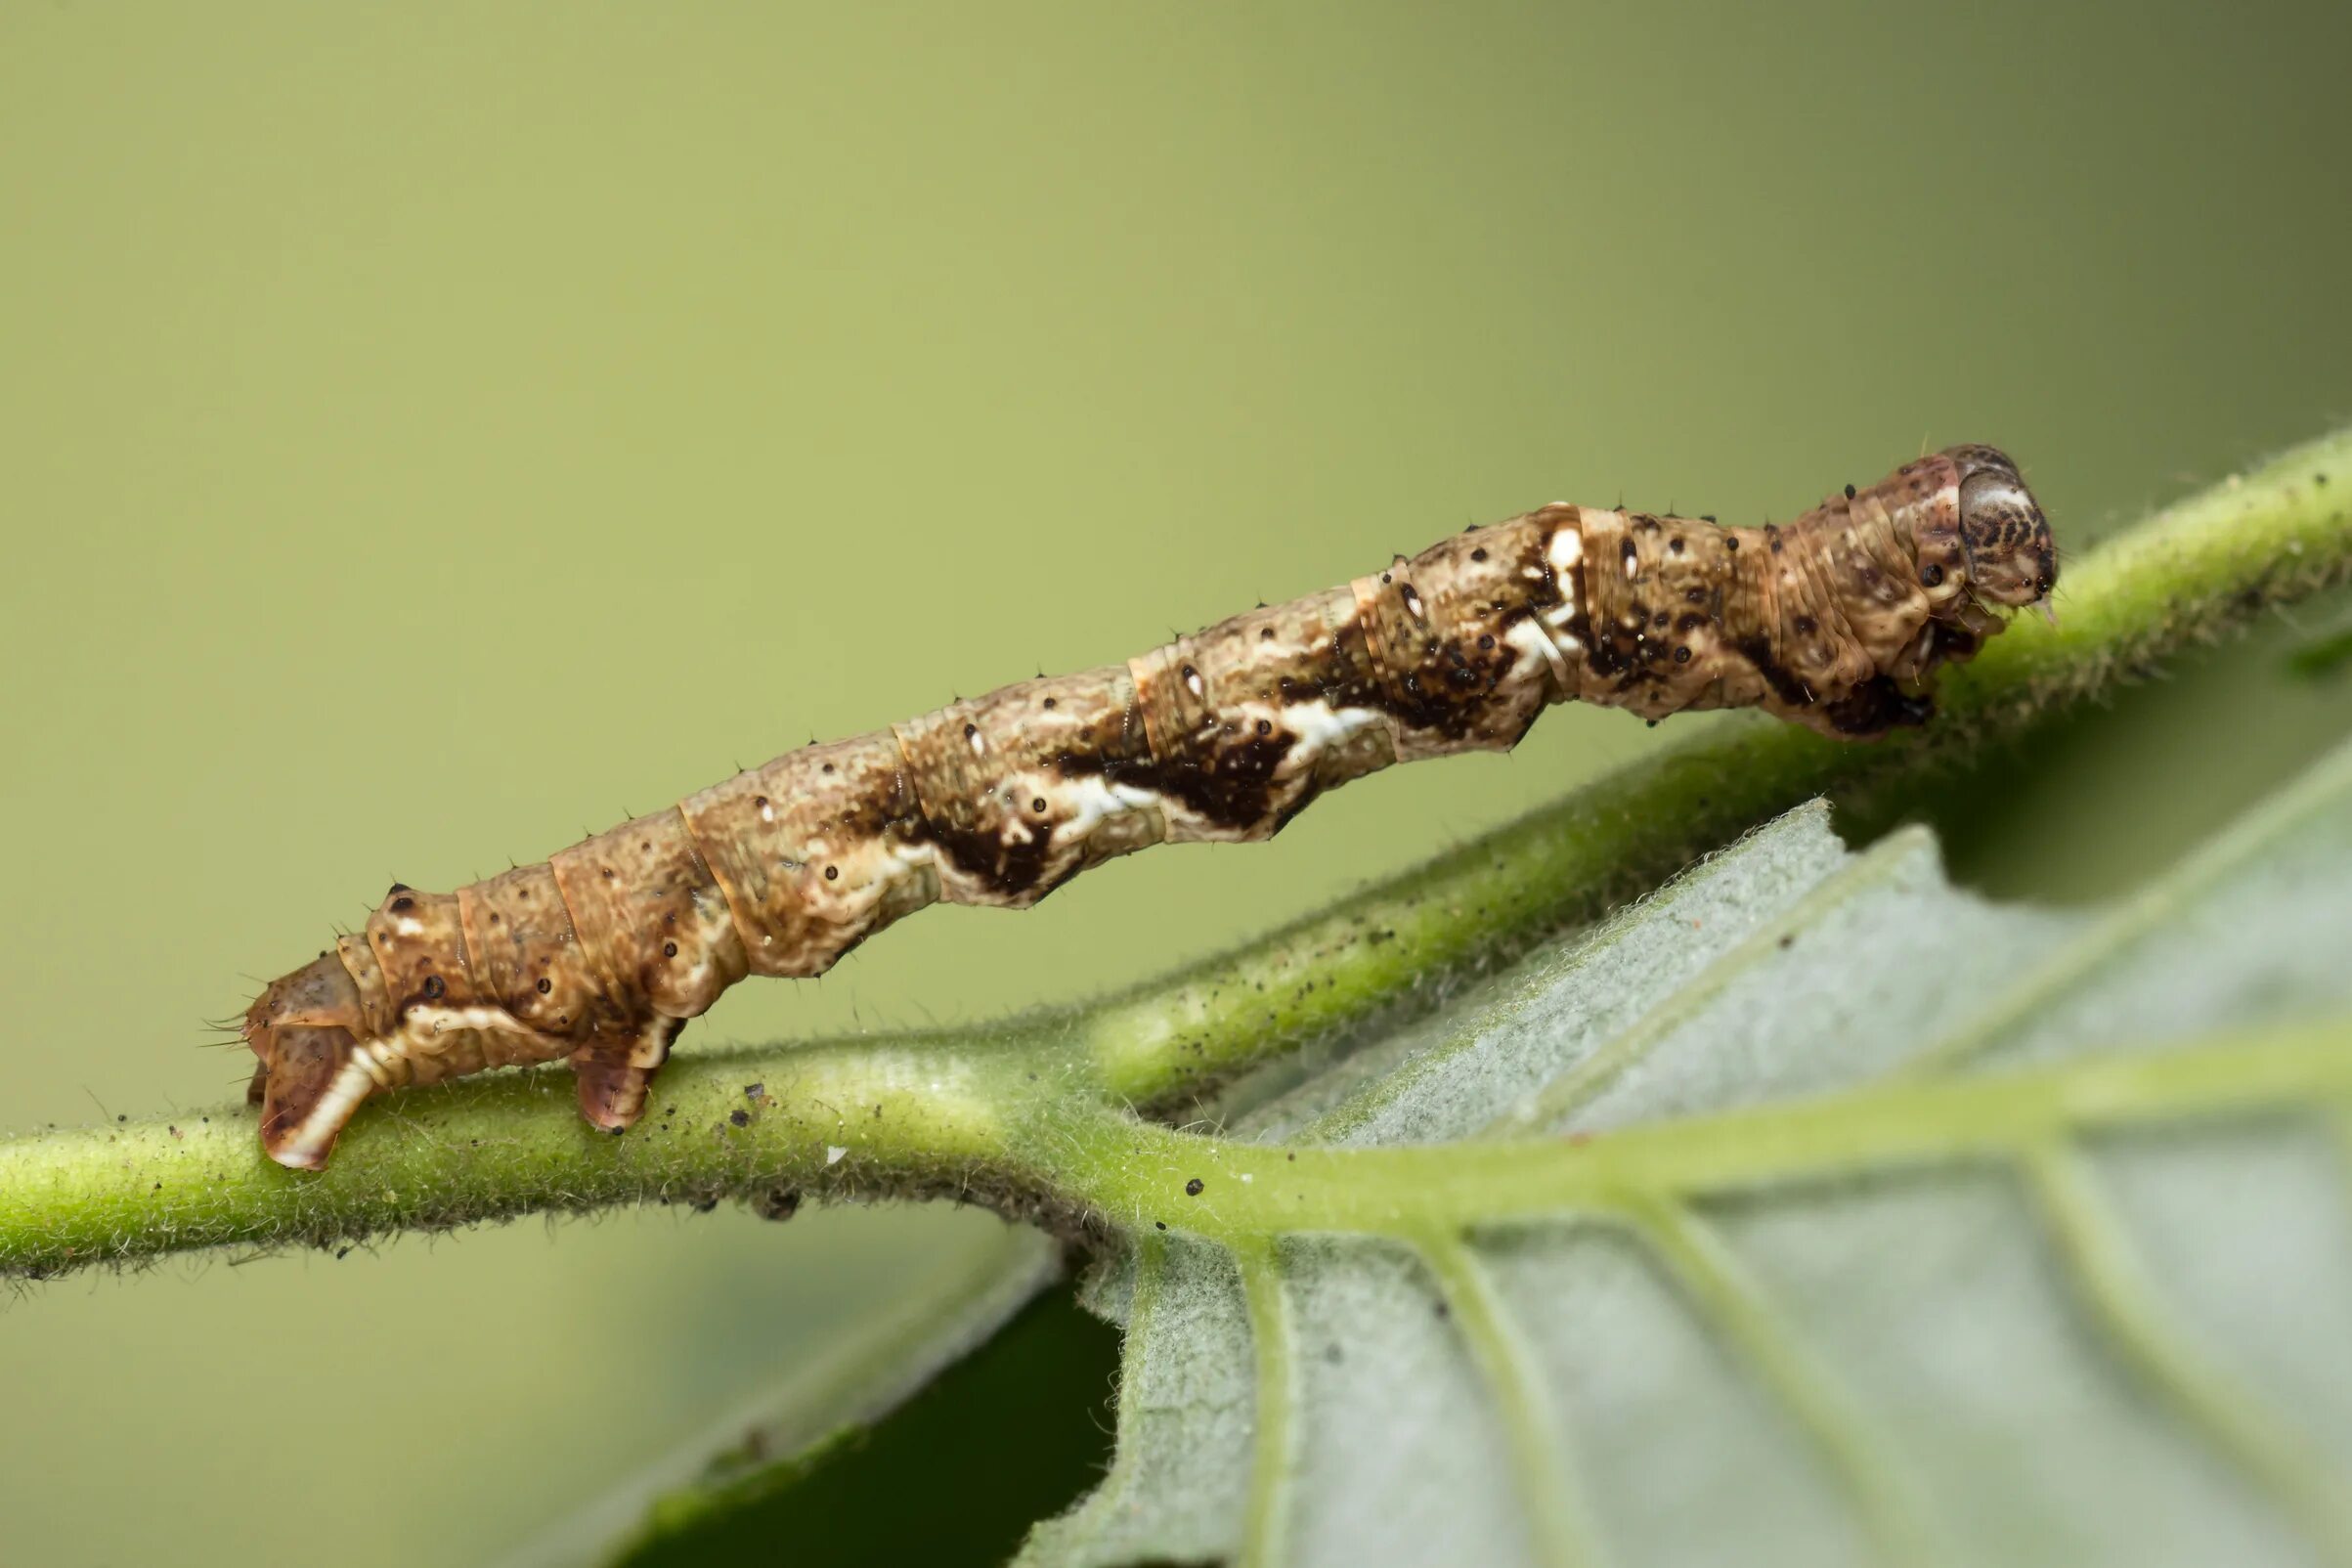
[(427, 433)]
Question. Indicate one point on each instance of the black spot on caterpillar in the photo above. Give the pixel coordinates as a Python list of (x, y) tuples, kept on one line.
[(599, 955)]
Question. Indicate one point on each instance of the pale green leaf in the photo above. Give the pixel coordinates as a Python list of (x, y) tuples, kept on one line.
[(1810, 1211)]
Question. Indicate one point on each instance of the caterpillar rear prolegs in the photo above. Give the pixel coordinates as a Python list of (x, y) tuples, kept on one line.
[(1838, 621), (438, 985)]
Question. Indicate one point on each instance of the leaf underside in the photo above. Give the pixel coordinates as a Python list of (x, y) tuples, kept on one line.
[(1810, 1211)]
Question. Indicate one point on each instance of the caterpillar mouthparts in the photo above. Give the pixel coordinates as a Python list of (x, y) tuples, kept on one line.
[(1838, 621)]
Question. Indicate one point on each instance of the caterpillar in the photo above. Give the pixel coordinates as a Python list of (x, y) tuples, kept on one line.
[(600, 955)]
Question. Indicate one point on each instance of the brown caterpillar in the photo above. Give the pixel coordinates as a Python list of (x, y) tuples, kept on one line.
[(600, 955)]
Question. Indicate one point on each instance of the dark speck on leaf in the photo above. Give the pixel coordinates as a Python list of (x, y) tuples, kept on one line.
[(1159, 1224), (1192, 1189), (740, 1118), (753, 1090)]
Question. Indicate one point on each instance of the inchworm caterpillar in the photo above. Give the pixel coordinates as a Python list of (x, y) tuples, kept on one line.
[(600, 955)]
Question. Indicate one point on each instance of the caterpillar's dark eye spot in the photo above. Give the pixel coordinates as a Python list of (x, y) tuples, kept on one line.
[(669, 950), (433, 987), (1806, 625), (1730, 542), (971, 730), (1266, 633), (832, 873), (1673, 547), (1037, 804), (1931, 573), (828, 767), (402, 904), (545, 985), (760, 800), (1049, 702), (1849, 492), (1479, 554), (1485, 640), (1265, 726), (1682, 656)]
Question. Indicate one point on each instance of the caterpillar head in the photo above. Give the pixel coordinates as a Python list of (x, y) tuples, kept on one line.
[(2012, 561)]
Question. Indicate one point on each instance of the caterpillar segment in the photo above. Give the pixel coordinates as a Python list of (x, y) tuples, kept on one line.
[(597, 957)]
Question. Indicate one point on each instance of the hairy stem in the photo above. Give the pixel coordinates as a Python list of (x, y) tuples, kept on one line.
[(995, 1112)]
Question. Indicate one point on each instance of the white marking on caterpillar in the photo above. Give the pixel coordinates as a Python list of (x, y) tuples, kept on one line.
[(1092, 801), (316, 1134), (1533, 644), (1566, 548), (1320, 727)]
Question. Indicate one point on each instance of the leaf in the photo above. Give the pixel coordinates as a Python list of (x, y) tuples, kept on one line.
[(728, 1478), (843, 1499), (1810, 1211)]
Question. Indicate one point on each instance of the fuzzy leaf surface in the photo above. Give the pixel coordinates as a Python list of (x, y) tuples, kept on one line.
[(1813, 1212)]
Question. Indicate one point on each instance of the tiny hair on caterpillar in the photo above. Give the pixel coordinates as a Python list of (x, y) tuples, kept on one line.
[(599, 955)]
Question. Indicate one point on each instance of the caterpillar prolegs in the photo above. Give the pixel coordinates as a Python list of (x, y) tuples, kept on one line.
[(600, 955)]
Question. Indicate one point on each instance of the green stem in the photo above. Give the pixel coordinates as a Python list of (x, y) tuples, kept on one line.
[(980, 1111), (1141, 1176)]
